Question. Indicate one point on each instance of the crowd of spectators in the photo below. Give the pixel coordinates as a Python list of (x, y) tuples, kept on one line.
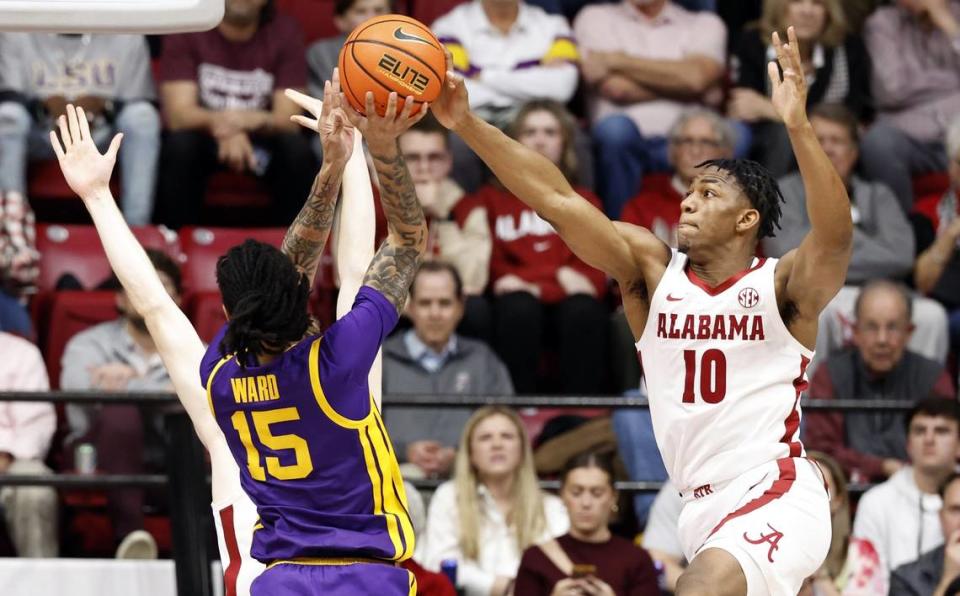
[(627, 98)]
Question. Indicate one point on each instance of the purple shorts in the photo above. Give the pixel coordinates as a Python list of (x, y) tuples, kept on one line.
[(334, 580)]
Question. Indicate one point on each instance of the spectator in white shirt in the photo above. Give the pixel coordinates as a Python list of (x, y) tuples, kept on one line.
[(901, 517), (493, 509), (25, 432), (509, 52)]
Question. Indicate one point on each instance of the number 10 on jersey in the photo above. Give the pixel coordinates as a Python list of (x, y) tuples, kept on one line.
[(713, 376)]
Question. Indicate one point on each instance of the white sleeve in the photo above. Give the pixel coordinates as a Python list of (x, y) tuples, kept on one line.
[(661, 533), (551, 82), (558, 520), (443, 542), (869, 522)]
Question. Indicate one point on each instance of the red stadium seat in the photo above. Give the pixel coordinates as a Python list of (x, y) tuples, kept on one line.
[(76, 250), (45, 181), (71, 313), (534, 419)]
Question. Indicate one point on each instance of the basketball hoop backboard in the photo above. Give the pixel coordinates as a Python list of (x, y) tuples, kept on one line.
[(110, 16)]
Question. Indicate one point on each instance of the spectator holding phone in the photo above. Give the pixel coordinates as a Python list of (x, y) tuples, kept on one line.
[(588, 560)]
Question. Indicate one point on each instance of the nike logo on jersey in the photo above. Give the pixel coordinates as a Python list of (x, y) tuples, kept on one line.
[(403, 36), (672, 298)]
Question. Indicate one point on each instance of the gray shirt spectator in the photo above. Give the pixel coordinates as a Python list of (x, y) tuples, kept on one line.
[(324, 54), (920, 577), (120, 356), (882, 236), (109, 76), (86, 359), (432, 359)]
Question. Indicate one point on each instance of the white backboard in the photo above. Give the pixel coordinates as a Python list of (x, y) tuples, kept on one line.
[(110, 16)]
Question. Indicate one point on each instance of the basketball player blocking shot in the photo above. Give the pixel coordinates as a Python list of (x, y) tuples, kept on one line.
[(724, 337), (291, 407)]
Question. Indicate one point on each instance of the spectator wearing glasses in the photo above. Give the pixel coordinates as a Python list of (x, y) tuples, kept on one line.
[(883, 242), (873, 445)]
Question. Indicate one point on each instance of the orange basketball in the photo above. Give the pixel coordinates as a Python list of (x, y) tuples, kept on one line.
[(391, 53)]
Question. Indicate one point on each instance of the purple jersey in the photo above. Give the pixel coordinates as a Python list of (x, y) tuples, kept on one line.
[(313, 452)]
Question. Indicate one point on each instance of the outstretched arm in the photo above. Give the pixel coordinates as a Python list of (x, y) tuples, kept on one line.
[(308, 234), (88, 174), (818, 267), (395, 263), (353, 238), (540, 184)]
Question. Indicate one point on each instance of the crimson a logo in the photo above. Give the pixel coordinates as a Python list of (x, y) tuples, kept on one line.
[(748, 297)]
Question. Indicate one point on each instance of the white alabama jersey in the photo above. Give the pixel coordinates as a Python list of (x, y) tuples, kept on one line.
[(724, 374), (235, 520)]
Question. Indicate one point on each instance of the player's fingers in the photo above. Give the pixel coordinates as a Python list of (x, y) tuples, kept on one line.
[(114, 146), (335, 80), (371, 109), (355, 117), (64, 132), (304, 101), (778, 48), (391, 112), (774, 73), (84, 123), (73, 124), (305, 122), (408, 105), (327, 100), (58, 148)]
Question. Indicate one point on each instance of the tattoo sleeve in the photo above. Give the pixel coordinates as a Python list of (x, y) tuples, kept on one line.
[(308, 234), (395, 263)]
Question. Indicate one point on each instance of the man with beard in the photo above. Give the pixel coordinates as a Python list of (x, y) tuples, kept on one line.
[(120, 355)]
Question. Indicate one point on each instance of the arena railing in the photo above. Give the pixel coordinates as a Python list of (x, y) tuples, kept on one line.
[(188, 481)]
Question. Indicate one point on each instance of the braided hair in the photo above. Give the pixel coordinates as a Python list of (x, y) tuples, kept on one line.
[(266, 297), (760, 187)]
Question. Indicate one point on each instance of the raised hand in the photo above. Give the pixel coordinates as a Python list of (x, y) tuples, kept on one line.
[(453, 105), (328, 119), (789, 92), (86, 170), (379, 129)]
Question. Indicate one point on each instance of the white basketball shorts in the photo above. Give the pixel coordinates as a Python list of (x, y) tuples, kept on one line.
[(774, 519)]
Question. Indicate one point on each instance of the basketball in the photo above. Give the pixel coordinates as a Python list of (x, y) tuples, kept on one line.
[(391, 53)]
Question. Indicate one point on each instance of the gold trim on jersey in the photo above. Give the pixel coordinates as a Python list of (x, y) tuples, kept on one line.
[(330, 561), (213, 373), (321, 397), (389, 496)]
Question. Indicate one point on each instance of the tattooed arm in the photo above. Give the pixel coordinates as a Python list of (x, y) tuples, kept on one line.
[(308, 234), (394, 264)]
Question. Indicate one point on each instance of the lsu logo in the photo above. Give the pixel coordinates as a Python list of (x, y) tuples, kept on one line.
[(409, 77), (748, 297)]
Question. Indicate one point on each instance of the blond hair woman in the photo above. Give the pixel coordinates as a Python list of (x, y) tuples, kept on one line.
[(493, 509), (835, 62)]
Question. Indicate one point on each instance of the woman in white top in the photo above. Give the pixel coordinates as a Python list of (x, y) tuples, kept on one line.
[(493, 508)]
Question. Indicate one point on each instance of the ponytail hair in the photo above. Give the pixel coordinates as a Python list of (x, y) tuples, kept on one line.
[(265, 297)]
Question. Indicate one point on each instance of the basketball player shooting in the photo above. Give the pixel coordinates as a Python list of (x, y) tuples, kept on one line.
[(331, 504), (724, 337)]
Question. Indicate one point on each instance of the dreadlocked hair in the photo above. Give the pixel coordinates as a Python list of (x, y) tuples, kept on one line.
[(760, 187), (266, 298)]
